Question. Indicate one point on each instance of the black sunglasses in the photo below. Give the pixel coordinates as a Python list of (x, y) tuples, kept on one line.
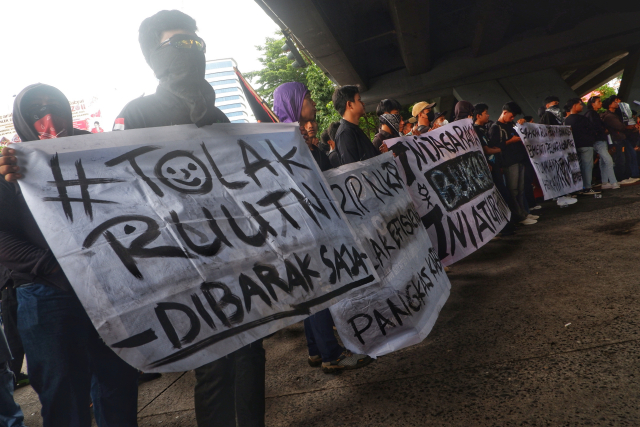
[(185, 41)]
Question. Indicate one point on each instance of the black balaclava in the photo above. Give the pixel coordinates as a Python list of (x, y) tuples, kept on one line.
[(393, 121), (181, 73), (557, 112)]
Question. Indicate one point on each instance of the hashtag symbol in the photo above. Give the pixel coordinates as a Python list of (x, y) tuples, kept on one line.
[(83, 182)]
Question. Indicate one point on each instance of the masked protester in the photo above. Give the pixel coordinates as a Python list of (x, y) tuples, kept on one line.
[(551, 113), (423, 116), (231, 388), (68, 361), (183, 95), (439, 119), (391, 124)]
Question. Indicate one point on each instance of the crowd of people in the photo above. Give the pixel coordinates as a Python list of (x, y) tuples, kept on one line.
[(71, 368), (597, 135)]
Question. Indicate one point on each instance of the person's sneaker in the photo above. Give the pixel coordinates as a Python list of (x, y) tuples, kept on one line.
[(21, 380), (528, 221), (629, 181), (535, 208), (590, 192), (533, 216), (609, 186), (346, 361), (565, 201), (314, 361)]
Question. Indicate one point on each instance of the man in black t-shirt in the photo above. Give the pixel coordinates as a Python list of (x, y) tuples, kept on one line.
[(502, 135), (584, 136), (351, 142), (493, 155)]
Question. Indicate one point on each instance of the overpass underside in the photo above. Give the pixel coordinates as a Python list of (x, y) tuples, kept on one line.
[(488, 51)]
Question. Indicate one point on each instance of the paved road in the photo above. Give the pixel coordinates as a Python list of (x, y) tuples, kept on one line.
[(541, 329)]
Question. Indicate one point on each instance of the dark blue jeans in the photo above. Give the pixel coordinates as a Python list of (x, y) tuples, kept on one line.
[(626, 161), (231, 389), (10, 412), (320, 338), (64, 353)]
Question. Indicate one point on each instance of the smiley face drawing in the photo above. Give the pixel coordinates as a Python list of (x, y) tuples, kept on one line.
[(183, 172)]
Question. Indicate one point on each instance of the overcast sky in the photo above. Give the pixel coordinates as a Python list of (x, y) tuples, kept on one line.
[(91, 48)]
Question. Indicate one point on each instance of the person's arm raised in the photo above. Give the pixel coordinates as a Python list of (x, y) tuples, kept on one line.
[(8, 165)]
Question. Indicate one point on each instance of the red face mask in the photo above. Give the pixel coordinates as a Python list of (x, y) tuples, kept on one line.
[(48, 124)]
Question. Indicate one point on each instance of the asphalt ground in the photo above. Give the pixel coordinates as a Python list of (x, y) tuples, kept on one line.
[(541, 329)]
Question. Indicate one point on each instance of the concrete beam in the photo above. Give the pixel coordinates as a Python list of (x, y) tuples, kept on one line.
[(529, 90), (587, 40), (585, 74), (411, 22), (603, 77), (630, 85), (492, 26), (303, 19)]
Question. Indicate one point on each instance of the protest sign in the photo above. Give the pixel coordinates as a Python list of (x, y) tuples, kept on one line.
[(414, 285), (553, 155), (451, 186), (185, 244)]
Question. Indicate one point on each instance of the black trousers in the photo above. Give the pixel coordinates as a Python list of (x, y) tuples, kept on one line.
[(529, 174), (232, 388), (10, 321)]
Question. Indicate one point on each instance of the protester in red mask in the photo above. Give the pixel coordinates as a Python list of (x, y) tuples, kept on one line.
[(69, 365)]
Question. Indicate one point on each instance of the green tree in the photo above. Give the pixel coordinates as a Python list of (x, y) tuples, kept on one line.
[(321, 88), (278, 69), (606, 91)]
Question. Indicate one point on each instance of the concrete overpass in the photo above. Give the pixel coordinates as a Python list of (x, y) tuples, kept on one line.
[(488, 51)]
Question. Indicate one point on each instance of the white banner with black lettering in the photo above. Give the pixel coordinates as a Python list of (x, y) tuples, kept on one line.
[(185, 244), (553, 155), (451, 186), (414, 284)]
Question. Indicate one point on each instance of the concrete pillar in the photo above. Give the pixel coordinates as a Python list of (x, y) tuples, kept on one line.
[(630, 85), (530, 90), (489, 92)]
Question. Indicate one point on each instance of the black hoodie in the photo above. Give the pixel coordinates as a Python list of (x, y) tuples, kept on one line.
[(165, 109), (23, 248)]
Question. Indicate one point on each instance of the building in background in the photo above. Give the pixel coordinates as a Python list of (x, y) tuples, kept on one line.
[(230, 97)]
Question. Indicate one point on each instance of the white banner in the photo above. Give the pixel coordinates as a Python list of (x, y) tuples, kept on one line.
[(185, 244), (451, 186), (414, 285), (553, 155)]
